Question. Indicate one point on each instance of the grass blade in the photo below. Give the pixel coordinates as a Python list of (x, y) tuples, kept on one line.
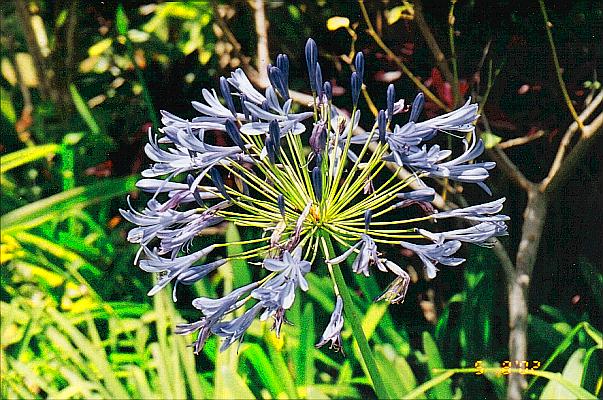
[(58, 205), (27, 155)]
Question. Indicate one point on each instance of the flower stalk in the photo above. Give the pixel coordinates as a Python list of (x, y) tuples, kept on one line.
[(355, 321)]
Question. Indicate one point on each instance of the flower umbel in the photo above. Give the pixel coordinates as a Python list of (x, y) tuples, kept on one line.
[(266, 181)]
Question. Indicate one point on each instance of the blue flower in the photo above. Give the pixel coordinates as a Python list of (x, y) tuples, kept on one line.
[(480, 212), (367, 256), (332, 332), (478, 234), (291, 266), (431, 254), (174, 268), (235, 329)]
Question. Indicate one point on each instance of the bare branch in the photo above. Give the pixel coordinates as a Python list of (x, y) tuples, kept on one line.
[(40, 62), (572, 162), (567, 138), (261, 30), (371, 31), (507, 144), (509, 168)]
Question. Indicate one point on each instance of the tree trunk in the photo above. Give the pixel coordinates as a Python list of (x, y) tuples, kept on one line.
[(533, 226)]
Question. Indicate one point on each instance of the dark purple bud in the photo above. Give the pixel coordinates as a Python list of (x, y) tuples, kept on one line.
[(417, 107), (245, 187), (368, 214), (275, 134), (356, 86), (318, 81), (269, 143), (281, 204), (189, 181), (227, 95), (265, 105), (381, 124), (319, 160), (391, 99), (328, 90), (282, 62), (317, 183), (216, 178), (359, 64), (234, 134), (311, 60), (244, 108), (318, 138), (278, 82)]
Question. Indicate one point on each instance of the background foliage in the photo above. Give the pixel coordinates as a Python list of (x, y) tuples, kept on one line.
[(82, 82)]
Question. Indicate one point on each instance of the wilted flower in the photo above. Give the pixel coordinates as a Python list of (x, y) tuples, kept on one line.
[(298, 200)]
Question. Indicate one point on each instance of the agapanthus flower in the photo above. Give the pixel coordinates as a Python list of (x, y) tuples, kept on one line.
[(332, 332), (301, 179)]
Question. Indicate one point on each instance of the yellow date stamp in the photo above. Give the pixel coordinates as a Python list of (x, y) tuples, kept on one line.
[(508, 366)]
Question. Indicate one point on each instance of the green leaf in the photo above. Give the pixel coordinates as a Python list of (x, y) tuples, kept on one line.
[(490, 139), (373, 316), (399, 379), (61, 204), (572, 372), (6, 106), (420, 391), (280, 366), (305, 352), (242, 274), (294, 12), (593, 365), (434, 362), (95, 355), (121, 20), (575, 392), (263, 367), (82, 108), (27, 155), (228, 383)]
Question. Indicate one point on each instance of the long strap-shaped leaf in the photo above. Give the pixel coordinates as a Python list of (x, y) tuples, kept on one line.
[(36, 213)]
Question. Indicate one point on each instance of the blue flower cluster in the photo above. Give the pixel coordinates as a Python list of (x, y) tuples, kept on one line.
[(297, 199)]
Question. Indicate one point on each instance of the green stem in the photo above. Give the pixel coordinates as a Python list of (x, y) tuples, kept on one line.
[(566, 97), (356, 323), (455, 70)]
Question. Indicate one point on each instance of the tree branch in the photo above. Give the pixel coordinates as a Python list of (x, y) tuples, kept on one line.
[(261, 30), (572, 162), (569, 134), (40, 62), (371, 31), (509, 168), (507, 144)]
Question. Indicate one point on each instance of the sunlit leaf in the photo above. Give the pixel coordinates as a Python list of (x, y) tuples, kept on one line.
[(490, 139), (27, 155), (6, 106), (335, 23), (100, 47), (434, 362), (405, 11)]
